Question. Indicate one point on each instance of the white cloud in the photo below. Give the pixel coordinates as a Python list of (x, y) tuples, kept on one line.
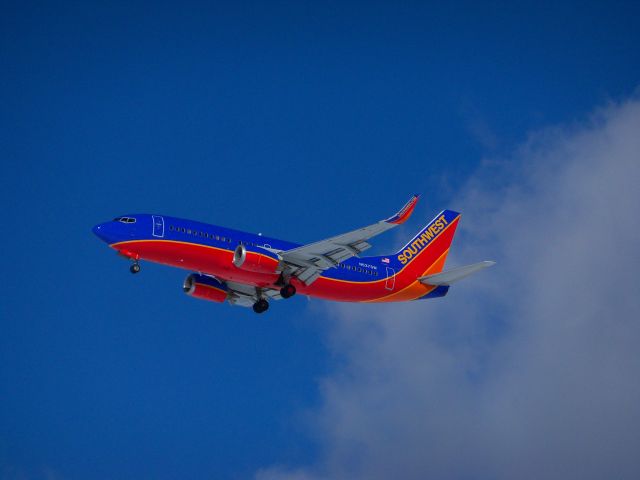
[(528, 370)]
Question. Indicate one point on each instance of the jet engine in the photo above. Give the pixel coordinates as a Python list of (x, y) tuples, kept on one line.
[(206, 288), (255, 259)]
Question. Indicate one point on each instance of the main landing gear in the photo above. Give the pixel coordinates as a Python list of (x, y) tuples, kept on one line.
[(288, 291), (135, 268), (261, 306)]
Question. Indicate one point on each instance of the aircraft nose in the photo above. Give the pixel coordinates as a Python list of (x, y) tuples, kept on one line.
[(103, 231)]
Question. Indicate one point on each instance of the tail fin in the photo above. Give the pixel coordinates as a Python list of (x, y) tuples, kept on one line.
[(426, 253)]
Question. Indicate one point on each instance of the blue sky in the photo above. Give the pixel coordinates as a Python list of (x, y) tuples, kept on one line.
[(298, 120)]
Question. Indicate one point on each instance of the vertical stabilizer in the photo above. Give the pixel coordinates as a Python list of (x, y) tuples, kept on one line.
[(426, 252)]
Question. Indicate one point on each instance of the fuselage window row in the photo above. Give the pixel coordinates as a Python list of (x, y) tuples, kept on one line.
[(196, 233), (358, 269)]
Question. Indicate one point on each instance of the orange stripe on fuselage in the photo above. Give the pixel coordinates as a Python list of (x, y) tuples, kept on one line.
[(415, 289), (218, 262), (431, 259)]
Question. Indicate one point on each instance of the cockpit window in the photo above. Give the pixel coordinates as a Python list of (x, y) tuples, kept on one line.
[(125, 219)]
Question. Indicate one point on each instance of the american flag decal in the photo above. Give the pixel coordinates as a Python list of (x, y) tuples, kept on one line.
[(385, 260)]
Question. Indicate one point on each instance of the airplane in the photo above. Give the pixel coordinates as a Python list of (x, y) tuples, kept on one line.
[(251, 269)]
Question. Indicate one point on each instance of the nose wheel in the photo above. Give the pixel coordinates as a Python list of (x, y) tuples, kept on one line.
[(288, 291), (261, 306), (135, 268)]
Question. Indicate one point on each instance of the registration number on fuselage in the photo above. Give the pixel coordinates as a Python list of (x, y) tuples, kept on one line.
[(366, 265)]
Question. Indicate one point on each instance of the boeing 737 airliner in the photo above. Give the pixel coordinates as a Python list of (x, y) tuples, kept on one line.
[(249, 270)]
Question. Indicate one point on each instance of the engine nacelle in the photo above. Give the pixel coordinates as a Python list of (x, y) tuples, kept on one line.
[(255, 259), (206, 288)]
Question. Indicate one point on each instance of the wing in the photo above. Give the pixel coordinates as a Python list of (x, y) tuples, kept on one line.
[(308, 261)]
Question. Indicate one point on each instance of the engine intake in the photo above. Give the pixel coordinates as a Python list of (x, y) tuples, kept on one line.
[(205, 288), (255, 259)]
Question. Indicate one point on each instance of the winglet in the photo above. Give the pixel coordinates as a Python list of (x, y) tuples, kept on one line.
[(405, 212)]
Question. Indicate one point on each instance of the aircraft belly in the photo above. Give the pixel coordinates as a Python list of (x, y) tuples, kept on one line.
[(198, 258)]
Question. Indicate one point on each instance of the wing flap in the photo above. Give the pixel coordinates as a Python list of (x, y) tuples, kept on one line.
[(245, 295)]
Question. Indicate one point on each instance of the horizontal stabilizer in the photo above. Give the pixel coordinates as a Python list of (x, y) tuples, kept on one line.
[(455, 274)]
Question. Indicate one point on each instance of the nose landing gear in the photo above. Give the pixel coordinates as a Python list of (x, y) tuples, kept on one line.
[(261, 306), (135, 268)]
